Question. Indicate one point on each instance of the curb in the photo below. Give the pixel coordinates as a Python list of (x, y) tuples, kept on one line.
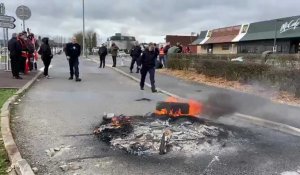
[(254, 120), (20, 165)]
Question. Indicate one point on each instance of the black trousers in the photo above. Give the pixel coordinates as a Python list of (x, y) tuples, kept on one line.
[(22, 64), (133, 61), (15, 66), (114, 58), (102, 61), (47, 63), (144, 72), (74, 67)]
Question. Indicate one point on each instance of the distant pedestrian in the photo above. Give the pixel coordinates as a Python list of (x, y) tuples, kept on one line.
[(73, 51), (156, 49), (162, 56), (46, 54), (114, 53), (15, 50), (135, 54), (148, 61), (102, 54), (166, 49)]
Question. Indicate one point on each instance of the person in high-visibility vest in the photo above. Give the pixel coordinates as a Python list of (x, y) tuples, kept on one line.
[(162, 56)]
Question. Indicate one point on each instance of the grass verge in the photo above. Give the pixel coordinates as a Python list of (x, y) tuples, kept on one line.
[(4, 162)]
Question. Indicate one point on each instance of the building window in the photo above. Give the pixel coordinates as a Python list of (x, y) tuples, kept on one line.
[(245, 28), (209, 33), (225, 47)]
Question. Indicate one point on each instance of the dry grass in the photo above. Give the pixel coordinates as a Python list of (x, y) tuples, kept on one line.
[(274, 95)]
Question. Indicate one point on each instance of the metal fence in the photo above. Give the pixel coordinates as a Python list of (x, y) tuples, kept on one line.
[(4, 59)]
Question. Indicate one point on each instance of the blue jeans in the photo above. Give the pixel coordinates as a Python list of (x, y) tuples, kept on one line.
[(162, 60)]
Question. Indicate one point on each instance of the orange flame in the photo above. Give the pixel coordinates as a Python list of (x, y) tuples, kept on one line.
[(195, 108)]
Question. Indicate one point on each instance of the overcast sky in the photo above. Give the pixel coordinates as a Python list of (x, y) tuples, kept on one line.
[(148, 20)]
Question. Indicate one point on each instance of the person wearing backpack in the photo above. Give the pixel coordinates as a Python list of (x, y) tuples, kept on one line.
[(102, 53)]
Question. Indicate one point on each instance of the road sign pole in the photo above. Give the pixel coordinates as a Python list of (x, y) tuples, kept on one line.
[(7, 55), (24, 25)]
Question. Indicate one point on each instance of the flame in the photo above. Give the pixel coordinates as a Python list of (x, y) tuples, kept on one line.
[(195, 108), (119, 121)]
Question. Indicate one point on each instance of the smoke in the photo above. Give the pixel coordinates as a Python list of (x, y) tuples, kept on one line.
[(219, 104)]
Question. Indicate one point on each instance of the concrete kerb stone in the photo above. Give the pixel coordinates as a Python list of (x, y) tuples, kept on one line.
[(254, 120), (21, 165)]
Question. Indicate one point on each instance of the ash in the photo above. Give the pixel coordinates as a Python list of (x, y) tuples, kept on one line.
[(150, 135)]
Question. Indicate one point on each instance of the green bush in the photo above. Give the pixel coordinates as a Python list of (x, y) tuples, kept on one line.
[(244, 72), (283, 73)]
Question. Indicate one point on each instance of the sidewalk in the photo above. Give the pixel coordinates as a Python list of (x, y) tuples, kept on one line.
[(6, 80), (244, 103)]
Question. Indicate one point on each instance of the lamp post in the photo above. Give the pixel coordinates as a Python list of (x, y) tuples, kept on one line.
[(83, 30), (275, 35)]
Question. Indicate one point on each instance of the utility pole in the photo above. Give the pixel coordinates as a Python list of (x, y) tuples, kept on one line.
[(83, 30)]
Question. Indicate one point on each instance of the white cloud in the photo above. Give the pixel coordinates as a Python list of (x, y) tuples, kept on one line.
[(148, 20)]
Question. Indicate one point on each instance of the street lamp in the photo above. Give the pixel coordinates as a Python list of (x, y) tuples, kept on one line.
[(83, 30), (275, 37)]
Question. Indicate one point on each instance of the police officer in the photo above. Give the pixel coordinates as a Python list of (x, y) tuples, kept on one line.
[(102, 53), (135, 53), (15, 50), (73, 51), (148, 61)]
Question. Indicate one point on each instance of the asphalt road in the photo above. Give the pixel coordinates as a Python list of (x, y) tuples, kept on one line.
[(248, 104), (60, 112)]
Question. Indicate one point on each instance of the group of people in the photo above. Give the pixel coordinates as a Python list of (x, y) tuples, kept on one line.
[(146, 61), (23, 49)]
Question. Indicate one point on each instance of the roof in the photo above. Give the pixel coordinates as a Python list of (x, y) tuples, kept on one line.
[(286, 28), (184, 40), (223, 35), (200, 38)]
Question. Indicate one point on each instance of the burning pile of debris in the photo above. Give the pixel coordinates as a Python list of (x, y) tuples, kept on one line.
[(174, 127)]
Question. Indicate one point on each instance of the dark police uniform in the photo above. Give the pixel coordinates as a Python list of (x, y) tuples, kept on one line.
[(148, 61), (15, 50), (135, 53), (73, 51)]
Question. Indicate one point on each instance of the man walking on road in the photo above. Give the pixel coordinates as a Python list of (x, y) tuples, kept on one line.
[(114, 53), (148, 61), (15, 50), (73, 51), (135, 53), (102, 53)]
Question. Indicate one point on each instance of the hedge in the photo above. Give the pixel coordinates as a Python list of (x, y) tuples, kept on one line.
[(285, 77)]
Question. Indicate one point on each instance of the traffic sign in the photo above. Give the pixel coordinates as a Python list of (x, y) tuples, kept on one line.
[(7, 25), (7, 18), (23, 12)]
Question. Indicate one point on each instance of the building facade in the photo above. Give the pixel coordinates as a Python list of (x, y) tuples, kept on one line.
[(277, 35)]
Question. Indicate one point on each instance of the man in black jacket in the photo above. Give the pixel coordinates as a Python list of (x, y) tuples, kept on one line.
[(15, 50), (148, 61), (102, 53), (73, 51), (135, 53), (46, 53)]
